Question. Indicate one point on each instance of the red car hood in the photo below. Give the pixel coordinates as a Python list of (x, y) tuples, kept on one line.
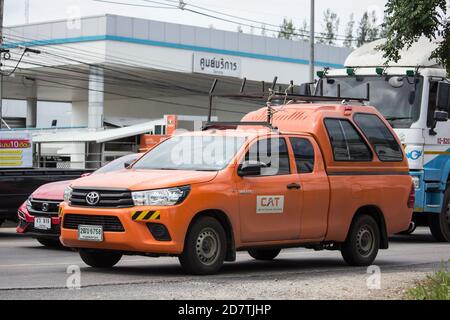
[(51, 191)]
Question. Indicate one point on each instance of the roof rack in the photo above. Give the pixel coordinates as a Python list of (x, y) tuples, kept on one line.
[(288, 94)]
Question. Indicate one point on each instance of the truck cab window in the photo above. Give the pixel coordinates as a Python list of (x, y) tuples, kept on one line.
[(346, 142), (304, 154), (379, 136), (431, 103), (273, 153)]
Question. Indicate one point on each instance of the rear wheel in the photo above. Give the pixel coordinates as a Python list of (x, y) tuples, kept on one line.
[(440, 222), (362, 243), (204, 248), (264, 254), (100, 259), (50, 243)]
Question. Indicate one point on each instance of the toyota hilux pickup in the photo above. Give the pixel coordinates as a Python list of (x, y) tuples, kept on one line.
[(321, 176)]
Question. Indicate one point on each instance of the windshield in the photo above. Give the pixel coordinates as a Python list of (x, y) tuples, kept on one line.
[(117, 164), (396, 97), (202, 153)]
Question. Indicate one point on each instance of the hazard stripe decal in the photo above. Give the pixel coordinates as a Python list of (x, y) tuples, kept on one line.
[(145, 215)]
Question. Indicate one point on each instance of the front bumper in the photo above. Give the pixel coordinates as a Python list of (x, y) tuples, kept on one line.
[(136, 235), (26, 225)]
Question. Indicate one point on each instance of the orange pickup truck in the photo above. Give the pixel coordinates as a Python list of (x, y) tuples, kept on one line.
[(321, 176)]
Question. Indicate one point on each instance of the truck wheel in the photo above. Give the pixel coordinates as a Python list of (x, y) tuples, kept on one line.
[(362, 243), (50, 243), (100, 259), (440, 222), (204, 248), (264, 254)]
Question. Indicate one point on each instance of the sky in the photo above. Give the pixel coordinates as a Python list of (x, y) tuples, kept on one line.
[(268, 11)]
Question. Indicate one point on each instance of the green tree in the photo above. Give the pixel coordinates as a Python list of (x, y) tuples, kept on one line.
[(330, 27), (408, 20), (304, 31), (363, 30), (287, 29), (372, 33), (348, 42)]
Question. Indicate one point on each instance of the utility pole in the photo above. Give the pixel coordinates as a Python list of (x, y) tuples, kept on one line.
[(311, 43), (2, 2), (27, 11)]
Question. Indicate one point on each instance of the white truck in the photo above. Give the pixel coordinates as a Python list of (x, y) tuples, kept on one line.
[(413, 95)]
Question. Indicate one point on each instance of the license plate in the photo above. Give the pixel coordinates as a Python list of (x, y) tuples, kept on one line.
[(90, 233), (42, 223)]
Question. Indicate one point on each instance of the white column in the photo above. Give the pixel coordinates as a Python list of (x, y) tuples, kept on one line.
[(31, 112), (96, 98)]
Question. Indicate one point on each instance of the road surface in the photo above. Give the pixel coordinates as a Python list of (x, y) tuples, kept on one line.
[(31, 271)]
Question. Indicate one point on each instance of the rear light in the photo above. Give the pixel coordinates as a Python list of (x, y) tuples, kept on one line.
[(411, 197)]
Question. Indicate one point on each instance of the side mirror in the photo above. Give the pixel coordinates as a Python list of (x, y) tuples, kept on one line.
[(86, 174), (250, 168), (305, 89), (127, 164), (443, 96), (440, 116)]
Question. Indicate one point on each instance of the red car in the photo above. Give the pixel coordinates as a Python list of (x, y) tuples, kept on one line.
[(38, 216)]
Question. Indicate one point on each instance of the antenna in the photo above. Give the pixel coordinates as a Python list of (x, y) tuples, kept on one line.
[(211, 91)]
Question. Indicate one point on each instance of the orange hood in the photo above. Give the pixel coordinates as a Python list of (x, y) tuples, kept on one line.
[(144, 179)]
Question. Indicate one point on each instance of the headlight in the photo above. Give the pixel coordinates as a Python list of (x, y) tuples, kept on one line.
[(28, 203), (160, 197), (416, 182), (67, 194)]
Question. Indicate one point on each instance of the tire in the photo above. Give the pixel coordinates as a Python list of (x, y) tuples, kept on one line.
[(264, 254), (49, 243), (204, 248), (100, 259), (362, 243), (440, 223)]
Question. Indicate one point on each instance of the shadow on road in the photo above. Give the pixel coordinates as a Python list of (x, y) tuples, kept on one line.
[(282, 267)]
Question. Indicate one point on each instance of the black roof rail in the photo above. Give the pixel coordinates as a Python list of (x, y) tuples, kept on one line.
[(272, 94), (223, 125)]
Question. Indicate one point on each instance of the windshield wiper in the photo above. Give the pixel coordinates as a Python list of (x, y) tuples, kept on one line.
[(397, 118)]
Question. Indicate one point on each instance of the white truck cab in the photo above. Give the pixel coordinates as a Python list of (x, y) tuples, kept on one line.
[(406, 94)]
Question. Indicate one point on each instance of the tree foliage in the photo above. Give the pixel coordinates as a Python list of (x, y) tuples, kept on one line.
[(287, 29), (330, 26), (408, 20), (348, 42)]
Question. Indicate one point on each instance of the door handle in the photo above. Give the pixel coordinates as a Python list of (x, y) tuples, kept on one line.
[(294, 186)]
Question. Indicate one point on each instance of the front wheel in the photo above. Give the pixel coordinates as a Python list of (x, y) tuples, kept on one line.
[(440, 222), (204, 248), (100, 259), (362, 243), (264, 254)]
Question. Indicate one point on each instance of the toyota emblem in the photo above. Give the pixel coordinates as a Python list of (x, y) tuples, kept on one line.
[(45, 206), (92, 198)]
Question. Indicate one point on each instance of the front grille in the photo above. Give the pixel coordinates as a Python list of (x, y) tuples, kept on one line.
[(109, 223), (43, 207), (109, 198)]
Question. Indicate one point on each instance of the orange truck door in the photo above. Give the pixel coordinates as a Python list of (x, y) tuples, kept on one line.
[(269, 203), (315, 187)]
